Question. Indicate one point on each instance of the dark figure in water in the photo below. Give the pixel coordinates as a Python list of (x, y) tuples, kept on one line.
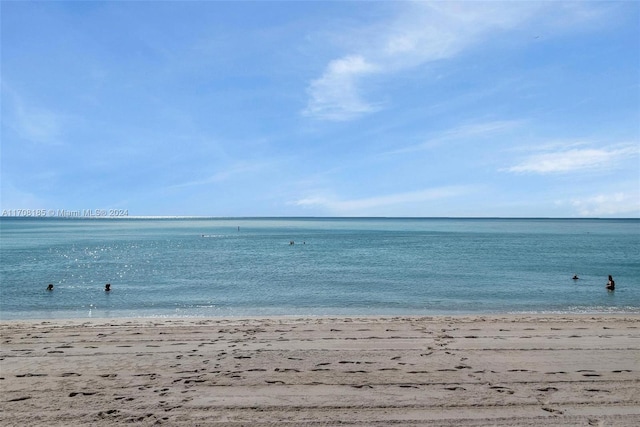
[(575, 277), (611, 284), (50, 287), (107, 287)]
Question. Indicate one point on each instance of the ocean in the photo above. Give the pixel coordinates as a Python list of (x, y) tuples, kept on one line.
[(209, 267)]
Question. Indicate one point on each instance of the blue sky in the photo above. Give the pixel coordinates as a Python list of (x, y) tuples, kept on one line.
[(523, 109)]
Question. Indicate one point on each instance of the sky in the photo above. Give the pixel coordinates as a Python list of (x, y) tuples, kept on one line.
[(322, 108)]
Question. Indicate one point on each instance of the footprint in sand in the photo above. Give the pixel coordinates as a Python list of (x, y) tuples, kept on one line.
[(501, 389), (201, 380), (552, 410), (18, 399), (286, 370), (588, 373), (83, 393)]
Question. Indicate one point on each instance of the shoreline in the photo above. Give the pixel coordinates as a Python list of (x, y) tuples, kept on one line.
[(338, 317), (76, 321), (408, 315), (468, 370)]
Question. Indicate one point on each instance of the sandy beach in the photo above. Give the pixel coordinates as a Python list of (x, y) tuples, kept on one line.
[(449, 371)]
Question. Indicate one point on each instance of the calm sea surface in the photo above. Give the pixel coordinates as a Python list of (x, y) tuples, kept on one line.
[(337, 266)]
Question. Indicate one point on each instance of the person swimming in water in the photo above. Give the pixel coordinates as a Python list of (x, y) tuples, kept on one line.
[(611, 284), (107, 287), (50, 287), (575, 277)]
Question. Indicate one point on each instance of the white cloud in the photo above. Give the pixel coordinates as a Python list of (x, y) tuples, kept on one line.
[(241, 168), (474, 131), (39, 125), (30, 121), (421, 32), (483, 129), (364, 206), (614, 204), (16, 198), (574, 160), (334, 96)]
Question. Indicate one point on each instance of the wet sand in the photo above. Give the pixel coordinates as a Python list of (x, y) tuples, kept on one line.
[(369, 371)]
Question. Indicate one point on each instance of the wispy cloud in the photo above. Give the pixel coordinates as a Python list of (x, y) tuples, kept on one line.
[(335, 95), (363, 206), (464, 132), (575, 159), (16, 198), (227, 174), (35, 124), (420, 33), (619, 203)]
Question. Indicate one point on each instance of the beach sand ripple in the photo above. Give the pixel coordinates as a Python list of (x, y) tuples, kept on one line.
[(445, 371)]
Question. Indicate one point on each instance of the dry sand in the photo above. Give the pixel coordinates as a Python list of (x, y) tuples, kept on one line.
[(450, 371)]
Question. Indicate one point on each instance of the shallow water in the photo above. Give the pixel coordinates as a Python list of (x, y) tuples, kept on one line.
[(337, 266)]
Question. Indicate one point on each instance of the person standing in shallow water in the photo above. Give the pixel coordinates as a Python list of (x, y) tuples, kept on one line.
[(611, 284)]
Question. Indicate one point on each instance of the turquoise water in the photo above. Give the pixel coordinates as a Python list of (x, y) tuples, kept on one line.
[(337, 266)]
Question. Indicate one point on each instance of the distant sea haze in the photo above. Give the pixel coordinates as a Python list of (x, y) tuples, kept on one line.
[(209, 267)]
